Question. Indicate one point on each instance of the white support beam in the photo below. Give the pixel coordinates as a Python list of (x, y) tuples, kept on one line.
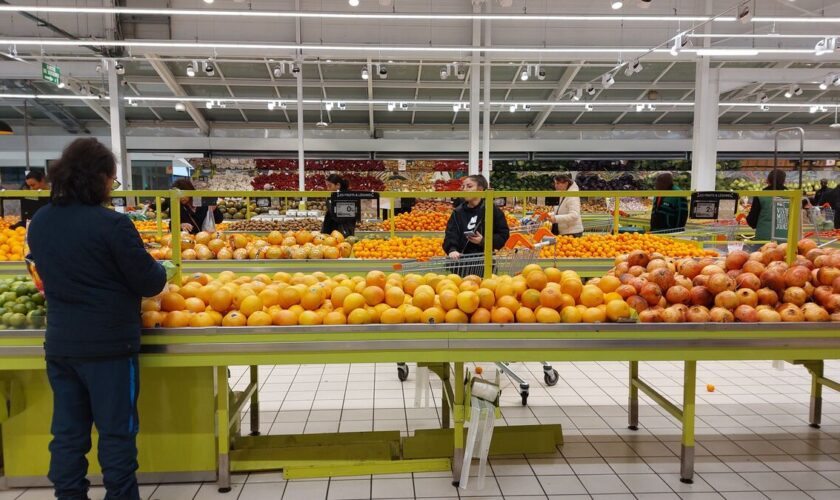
[(646, 91), (485, 133), (117, 122), (301, 147), (556, 94), (169, 80), (475, 91), (510, 88), (276, 90), (323, 89), (705, 135), (370, 96), (230, 91), (417, 89)]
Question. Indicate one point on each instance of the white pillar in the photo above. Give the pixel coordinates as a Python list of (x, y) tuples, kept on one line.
[(485, 148), (117, 114), (705, 133), (301, 175), (475, 90)]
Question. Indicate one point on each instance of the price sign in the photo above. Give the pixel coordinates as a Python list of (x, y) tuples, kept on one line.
[(262, 202), (119, 201), (781, 216), (347, 205), (713, 205), (500, 202), (346, 209)]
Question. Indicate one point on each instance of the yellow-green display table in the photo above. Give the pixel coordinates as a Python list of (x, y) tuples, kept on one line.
[(190, 420)]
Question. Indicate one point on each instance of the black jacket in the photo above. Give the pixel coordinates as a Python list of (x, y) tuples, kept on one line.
[(333, 223), (465, 219), (95, 273), (195, 216), (669, 213)]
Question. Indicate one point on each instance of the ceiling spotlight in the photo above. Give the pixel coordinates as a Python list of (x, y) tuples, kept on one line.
[(540, 73), (281, 105), (353, 3), (444, 72), (329, 106), (587, 107), (762, 98), (460, 72), (640, 108), (590, 89), (512, 108), (793, 90), (524, 75), (651, 107), (578, 94), (61, 84), (826, 46), (279, 70), (132, 103), (456, 107), (222, 104), (191, 69), (616, 4), (403, 106), (295, 68), (607, 80), (119, 68), (383, 72), (208, 1), (643, 4), (365, 74), (271, 105), (209, 70), (180, 106), (526, 107), (745, 13), (209, 105), (679, 42), (813, 109), (392, 105), (764, 107)]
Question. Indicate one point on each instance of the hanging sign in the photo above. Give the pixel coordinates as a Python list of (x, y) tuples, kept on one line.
[(347, 205), (51, 73), (714, 205)]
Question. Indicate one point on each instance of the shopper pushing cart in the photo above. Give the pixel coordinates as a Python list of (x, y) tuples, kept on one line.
[(466, 228)]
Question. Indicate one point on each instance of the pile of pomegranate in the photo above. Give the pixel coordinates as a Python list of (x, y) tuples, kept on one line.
[(745, 287)]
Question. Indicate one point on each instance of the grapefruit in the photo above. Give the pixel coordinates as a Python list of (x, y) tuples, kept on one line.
[(284, 317), (507, 302), (250, 305), (456, 316), (394, 296), (176, 319), (591, 296), (525, 315), (171, 301), (234, 318), (481, 315), (531, 298), (335, 318), (468, 301), (392, 316), (547, 315), (352, 302), (220, 300), (594, 315), (433, 315), (194, 305), (259, 318), (486, 298), (502, 315), (536, 279), (448, 299), (571, 314), (359, 316), (309, 318), (373, 294), (376, 278), (552, 298), (617, 309)]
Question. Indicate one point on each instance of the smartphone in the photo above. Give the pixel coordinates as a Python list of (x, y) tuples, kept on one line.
[(470, 234)]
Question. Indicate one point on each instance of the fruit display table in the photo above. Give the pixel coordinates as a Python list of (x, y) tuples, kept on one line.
[(185, 395)]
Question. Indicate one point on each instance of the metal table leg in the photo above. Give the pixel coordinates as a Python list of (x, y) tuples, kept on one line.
[(223, 428), (688, 410), (817, 370), (458, 432), (255, 401), (633, 403)]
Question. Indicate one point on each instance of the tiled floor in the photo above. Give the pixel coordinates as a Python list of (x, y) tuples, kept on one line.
[(753, 439)]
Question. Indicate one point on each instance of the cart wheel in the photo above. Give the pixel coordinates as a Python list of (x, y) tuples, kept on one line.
[(402, 372), (551, 378), (524, 395)]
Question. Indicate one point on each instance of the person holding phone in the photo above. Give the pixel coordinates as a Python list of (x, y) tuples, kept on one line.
[(466, 229), (192, 218), (331, 220)]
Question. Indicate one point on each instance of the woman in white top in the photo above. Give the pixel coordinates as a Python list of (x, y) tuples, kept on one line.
[(566, 217)]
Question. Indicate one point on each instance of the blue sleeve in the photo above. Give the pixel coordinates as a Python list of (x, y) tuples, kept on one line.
[(142, 274)]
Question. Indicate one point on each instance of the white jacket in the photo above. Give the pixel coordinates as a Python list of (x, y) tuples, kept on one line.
[(567, 214)]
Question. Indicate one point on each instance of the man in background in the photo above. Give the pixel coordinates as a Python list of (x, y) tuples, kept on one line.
[(669, 213), (36, 180)]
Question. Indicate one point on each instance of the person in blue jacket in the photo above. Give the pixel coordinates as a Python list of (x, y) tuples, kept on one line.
[(95, 272)]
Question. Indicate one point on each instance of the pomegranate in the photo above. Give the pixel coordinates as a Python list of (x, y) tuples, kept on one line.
[(712, 269), (672, 315), (748, 280), (655, 264), (700, 280), (638, 283), (791, 314), (736, 260), (832, 303), (834, 259), (727, 299), (625, 278), (797, 276), (690, 268), (663, 277), (651, 293), (827, 275), (773, 279), (805, 245), (638, 258), (809, 289), (768, 316), (650, 316), (678, 295), (778, 265), (683, 281), (636, 270), (697, 314), (836, 285), (757, 256), (621, 268), (802, 261), (747, 297), (835, 317), (768, 297), (772, 255), (636, 302), (821, 293), (701, 296), (721, 315), (719, 283), (734, 273), (794, 295), (814, 313), (812, 255), (753, 266), (746, 314)]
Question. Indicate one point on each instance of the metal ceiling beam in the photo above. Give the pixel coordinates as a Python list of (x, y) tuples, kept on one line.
[(154, 112), (230, 91), (370, 96), (510, 88), (557, 94), (169, 80), (664, 114), (53, 110), (647, 90), (276, 90), (594, 98), (813, 99), (748, 113), (461, 95), (323, 89), (417, 88)]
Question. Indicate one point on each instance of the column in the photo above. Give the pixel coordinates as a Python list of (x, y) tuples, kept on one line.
[(485, 147), (117, 113), (705, 132), (475, 90), (301, 177)]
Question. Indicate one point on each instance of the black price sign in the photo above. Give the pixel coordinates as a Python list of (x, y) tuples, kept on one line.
[(119, 201), (262, 202), (713, 205), (347, 205)]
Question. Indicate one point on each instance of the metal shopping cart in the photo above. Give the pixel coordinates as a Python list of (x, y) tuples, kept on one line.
[(818, 224), (509, 260)]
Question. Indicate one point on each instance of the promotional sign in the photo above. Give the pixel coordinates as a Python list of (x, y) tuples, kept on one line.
[(347, 205), (713, 205), (51, 73)]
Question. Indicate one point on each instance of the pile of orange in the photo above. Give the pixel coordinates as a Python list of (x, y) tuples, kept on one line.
[(145, 225), (399, 248), (512, 221), (419, 220), (611, 246), (12, 243), (535, 296)]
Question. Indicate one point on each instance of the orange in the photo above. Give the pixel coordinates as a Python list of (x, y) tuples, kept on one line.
[(392, 317), (281, 277), (433, 315), (617, 309), (269, 296), (312, 298), (536, 279), (250, 305), (335, 318), (259, 318), (456, 316), (481, 315), (373, 295), (572, 287), (195, 305), (220, 300), (525, 315), (531, 299), (410, 284), (206, 292), (468, 286), (150, 305), (567, 300), (591, 296), (217, 317), (529, 268), (594, 315), (352, 302), (176, 319), (609, 297), (376, 278), (609, 284), (189, 290), (152, 319), (552, 298), (171, 301), (468, 301), (509, 303), (553, 274), (547, 315), (571, 314), (234, 318), (289, 296), (501, 315), (490, 284), (394, 296), (309, 318), (241, 295), (412, 314), (284, 317), (424, 297), (486, 298), (448, 299), (338, 295), (519, 286), (504, 289), (359, 316)]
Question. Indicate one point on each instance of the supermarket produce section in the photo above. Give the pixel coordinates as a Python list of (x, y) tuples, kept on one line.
[(259, 293)]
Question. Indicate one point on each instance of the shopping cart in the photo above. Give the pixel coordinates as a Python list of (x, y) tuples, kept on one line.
[(509, 261), (818, 224)]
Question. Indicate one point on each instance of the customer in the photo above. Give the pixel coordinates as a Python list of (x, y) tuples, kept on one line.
[(566, 219), (820, 195), (832, 199), (36, 181), (466, 228), (192, 218), (95, 272), (332, 223), (760, 217), (669, 213)]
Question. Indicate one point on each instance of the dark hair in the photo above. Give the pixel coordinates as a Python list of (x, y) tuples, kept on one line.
[(480, 180), (183, 185), (82, 172), (37, 175), (342, 183), (776, 179), (563, 178)]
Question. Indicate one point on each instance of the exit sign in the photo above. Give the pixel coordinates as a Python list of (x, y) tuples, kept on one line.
[(51, 73)]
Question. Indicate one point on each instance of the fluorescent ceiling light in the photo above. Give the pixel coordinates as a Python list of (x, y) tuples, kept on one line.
[(727, 52)]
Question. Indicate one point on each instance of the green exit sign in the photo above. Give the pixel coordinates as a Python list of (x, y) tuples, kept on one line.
[(51, 73)]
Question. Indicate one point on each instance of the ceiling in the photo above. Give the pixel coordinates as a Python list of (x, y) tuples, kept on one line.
[(414, 78)]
